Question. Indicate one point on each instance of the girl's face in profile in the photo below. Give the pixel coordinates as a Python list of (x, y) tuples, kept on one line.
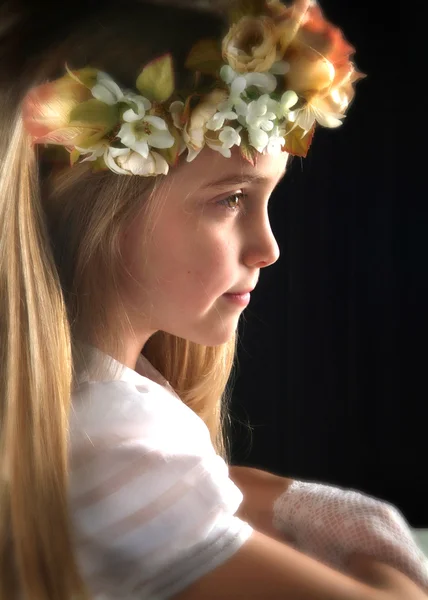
[(210, 238)]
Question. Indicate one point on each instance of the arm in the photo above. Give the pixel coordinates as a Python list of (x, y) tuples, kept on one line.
[(264, 569), (329, 523), (260, 490)]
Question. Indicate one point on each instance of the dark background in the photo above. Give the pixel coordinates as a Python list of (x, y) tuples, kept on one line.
[(332, 356)]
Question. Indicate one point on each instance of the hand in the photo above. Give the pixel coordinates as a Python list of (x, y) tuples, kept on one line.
[(331, 524)]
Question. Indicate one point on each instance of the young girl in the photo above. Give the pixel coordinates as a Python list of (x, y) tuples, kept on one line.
[(140, 145)]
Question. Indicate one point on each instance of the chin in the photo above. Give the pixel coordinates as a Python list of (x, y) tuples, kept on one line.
[(214, 335)]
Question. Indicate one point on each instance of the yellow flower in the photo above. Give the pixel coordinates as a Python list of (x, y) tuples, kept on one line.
[(251, 44), (195, 128)]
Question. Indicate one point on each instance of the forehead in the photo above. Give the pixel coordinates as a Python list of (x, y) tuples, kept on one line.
[(211, 171)]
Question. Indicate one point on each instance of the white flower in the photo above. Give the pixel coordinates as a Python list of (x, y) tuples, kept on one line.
[(195, 129), (275, 143), (217, 121), (124, 161), (228, 74), (106, 89), (233, 101), (305, 118), (266, 82), (228, 137), (258, 139), (288, 100), (104, 150), (281, 67), (238, 84), (94, 152), (259, 116), (140, 102), (176, 109), (136, 164), (138, 135), (110, 157)]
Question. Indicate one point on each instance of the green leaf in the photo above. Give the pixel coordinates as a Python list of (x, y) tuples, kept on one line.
[(205, 57), (74, 157), (246, 8), (86, 76), (98, 165), (156, 81), (95, 114)]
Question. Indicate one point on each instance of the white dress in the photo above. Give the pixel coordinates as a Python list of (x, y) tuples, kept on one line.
[(152, 504)]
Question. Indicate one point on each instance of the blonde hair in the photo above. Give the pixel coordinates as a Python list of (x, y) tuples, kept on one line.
[(58, 245)]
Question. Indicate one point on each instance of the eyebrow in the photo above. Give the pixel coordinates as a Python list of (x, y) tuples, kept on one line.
[(238, 180)]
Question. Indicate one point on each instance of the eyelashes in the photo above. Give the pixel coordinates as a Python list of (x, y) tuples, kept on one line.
[(234, 202)]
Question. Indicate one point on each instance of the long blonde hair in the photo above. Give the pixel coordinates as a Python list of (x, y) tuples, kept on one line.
[(59, 235)]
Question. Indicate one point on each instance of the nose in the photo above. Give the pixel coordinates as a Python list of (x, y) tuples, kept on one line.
[(261, 249)]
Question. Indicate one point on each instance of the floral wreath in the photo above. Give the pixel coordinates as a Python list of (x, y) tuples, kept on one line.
[(278, 72)]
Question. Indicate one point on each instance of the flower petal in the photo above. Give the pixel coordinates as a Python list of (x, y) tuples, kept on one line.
[(258, 138), (94, 152), (266, 82), (227, 74), (157, 122), (226, 152), (288, 99), (241, 108), (137, 164), (130, 116), (141, 102), (176, 109), (238, 86), (100, 92), (115, 152), (161, 166), (280, 68), (328, 119), (141, 147), (267, 125), (46, 110), (192, 154), (161, 139), (107, 82), (127, 135), (112, 165), (216, 122), (306, 118)]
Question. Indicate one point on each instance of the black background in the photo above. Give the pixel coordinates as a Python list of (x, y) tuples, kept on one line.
[(332, 354)]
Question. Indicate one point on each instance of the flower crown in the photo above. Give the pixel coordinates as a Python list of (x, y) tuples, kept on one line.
[(278, 72)]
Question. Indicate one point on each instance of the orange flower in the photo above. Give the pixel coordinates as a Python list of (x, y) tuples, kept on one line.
[(320, 70), (46, 113)]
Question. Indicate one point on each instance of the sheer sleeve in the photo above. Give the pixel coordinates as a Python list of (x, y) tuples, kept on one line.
[(152, 503)]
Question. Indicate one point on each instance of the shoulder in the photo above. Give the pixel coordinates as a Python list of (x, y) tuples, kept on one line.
[(151, 501), (115, 410)]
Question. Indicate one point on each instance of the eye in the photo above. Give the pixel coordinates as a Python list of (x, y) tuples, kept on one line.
[(233, 202)]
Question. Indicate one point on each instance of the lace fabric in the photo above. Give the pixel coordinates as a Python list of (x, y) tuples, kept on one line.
[(330, 524)]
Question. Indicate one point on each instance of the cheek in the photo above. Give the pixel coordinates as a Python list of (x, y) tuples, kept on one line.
[(198, 265), (183, 257)]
